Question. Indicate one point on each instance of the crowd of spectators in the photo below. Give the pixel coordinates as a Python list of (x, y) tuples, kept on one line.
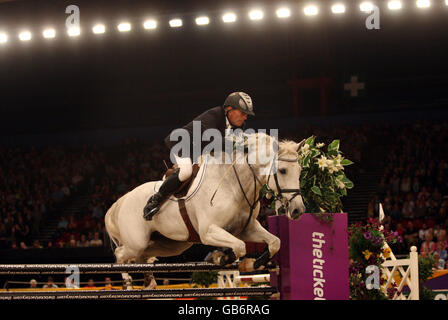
[(34, 183), (414, 188)]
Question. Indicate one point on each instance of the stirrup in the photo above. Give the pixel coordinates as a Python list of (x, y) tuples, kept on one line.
[(148, 215)]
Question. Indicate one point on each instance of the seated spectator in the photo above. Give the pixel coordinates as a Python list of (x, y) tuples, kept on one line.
[(406, 212), (441, 238), (72, 242), (108, 284), (60, 243), (63, 223), (96, 242), (23, 245), (411, 235), (33, 284), (428, 246), (396, 212), (50, 283), (97, 211), (440, 252), (422, 231), (83, 242), (90, 284), (36, 245), (405, 185), (72, 225)]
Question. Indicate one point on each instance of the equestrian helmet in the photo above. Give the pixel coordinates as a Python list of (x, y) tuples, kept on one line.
[(240, 101)]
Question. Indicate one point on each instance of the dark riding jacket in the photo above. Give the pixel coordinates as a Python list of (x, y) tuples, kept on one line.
[(214, 118)]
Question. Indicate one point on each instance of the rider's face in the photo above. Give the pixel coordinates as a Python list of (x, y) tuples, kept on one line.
[(236, 117)]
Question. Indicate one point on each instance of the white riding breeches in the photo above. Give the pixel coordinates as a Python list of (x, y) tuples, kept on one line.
[(186, 167)]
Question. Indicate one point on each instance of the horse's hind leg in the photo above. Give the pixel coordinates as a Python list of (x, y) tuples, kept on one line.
[(160, 248), (125, 255)]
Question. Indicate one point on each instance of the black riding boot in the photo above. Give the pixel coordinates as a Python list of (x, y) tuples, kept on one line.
[(168, 187)]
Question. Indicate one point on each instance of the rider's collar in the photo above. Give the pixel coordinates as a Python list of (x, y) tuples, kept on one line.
[(228, 125)]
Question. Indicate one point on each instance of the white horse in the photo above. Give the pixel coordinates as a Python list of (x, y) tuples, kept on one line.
[(227, 221)]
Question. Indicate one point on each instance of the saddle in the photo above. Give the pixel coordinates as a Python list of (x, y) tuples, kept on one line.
[(183, 189)]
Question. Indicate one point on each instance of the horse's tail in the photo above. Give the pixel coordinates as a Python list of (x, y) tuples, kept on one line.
[(111, 226)]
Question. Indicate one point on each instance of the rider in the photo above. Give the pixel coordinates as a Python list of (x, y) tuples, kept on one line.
[(232, 114)]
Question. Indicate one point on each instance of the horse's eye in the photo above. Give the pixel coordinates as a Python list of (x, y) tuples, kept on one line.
[(282, 171)]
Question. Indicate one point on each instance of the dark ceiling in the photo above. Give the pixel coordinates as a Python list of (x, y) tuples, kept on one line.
[(167, 76)]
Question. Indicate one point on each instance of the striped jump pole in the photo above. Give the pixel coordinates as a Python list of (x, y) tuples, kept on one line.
[(12, 269)]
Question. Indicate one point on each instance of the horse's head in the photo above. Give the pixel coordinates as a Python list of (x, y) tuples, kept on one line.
[(285, 179), (279, 162)]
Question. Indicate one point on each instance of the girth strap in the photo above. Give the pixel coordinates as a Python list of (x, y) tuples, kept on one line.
[(193, 236)]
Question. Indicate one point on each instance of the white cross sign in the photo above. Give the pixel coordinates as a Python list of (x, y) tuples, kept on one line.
[(354, 86)]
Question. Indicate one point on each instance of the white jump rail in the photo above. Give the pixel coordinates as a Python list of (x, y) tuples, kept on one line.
[(232, 279)]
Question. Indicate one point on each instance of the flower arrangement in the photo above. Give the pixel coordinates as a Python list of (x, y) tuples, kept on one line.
[(323, 181), (366, 248)]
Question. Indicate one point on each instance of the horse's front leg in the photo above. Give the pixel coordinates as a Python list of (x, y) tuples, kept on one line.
[(218, 237), (256, 233)]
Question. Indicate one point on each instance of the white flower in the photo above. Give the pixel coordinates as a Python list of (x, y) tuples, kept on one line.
[(320, 145), (338, 164), (331, 167), (340, 184), (305, 148), (322, 162)]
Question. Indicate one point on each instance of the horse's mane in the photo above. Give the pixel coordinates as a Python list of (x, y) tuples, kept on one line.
[(285, 147)]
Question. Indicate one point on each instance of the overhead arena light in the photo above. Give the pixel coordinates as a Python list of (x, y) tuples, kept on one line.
[(256, 15), (150, 24), (446, 2), (310, 10), (366, 6), (124, 27), (202, 21), (99, 29), (283, 13), (394, 5), (3, 38), (73, 32), (25, 36), (423, 4), (229, 17), (338, 8), (175, 23), (49, 33)]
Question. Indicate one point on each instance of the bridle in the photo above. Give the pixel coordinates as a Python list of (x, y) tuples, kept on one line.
[(277, 196), (280, 191)]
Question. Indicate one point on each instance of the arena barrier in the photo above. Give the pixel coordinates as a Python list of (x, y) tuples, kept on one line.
[(15, 269), (138, 294)]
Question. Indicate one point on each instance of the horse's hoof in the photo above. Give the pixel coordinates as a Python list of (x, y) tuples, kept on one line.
[(214, 257), (227, 259), (247, 265)]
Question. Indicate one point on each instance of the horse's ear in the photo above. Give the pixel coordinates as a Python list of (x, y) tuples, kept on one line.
[(300, 144)]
